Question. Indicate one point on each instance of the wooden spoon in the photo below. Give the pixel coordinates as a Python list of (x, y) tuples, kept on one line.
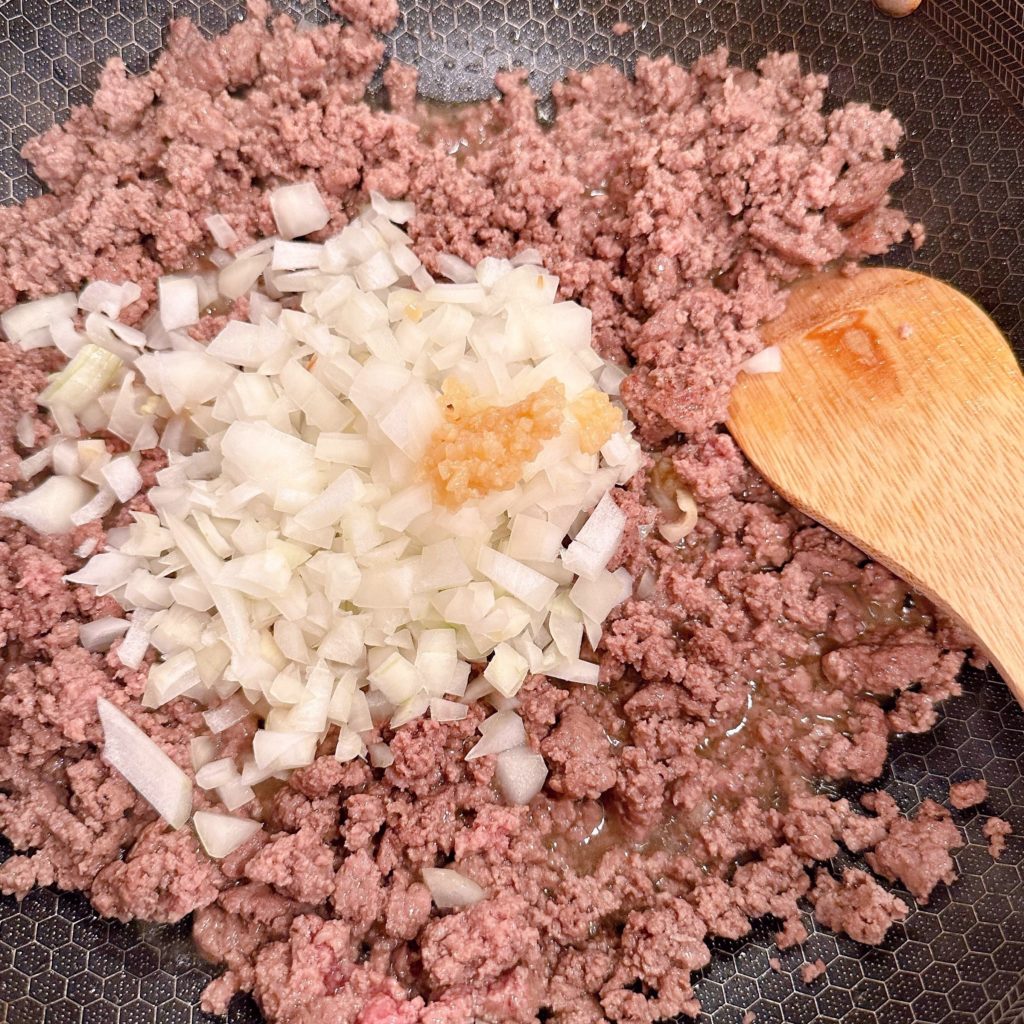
[(898, 421)]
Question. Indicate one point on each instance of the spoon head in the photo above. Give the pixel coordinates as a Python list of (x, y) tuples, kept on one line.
[(884, 371), (898, 421)]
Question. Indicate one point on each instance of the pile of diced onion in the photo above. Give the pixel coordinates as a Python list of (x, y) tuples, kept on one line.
[(297, 565)]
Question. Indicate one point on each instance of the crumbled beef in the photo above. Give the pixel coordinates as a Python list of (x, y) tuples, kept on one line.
[(996, 830), (579, 756), (969, 793), (857, 905), (811, 972), (916, 851)]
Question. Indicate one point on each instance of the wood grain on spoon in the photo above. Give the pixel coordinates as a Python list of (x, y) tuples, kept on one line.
[(898, 421)]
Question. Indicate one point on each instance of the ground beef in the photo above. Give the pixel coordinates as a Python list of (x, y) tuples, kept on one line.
[(809, 973), (996, 830), (968, 794), (579, 756), (857, 905), (758, 654), (916, 851)]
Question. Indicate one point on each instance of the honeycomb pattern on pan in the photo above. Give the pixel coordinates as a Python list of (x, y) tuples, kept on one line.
[(960, 959)]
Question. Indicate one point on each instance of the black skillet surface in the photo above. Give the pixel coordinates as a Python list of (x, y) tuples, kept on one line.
[(954, 74)]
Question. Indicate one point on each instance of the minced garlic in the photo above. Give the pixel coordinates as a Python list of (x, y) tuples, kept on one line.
[(598, 419), (480, 449)]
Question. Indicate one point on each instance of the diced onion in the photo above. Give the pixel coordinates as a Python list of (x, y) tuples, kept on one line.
[(297, 565), (108, 299), (50, 507), (298, 209), (83, 380), (502, 731), (25, 430), (455, 269), (222, 834), (506, 670), (147, 768), (451, 890), (216, 773), (396, 211), (136, 641), (179, 302), (597, 540), (442, 710), (380, 755), (99, 634), (520, 774), (22, 320), (237, 277), (230, 713), (122, 477), (235, 794), (221, 230), (768, 360)]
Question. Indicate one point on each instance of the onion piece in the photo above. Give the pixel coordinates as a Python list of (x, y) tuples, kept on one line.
[(203, 750), (597, 540), (222, 834), (183, 378), (25, 430), (520, 774), (396, 679), (235, 279), (298, 209), (156, 778), (99, 505), (455, 269), (396, 211), (506, 671), (133, 647), (216, 773), (675, 530), (502, 731), (522, 582), (380, 755), (442, 710), (280, 750), (221, 230), (231, 712), (22, 320), (575, 671), (768, 360), (528, 258), (49, 507), (349, 746), (178, 301), (235, 794), (596, 598), (83, 380), (122, 477), (450, 889), (108, 299), (99, 634)]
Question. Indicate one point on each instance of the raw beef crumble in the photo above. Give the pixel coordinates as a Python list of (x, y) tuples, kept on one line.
[(759, 657)]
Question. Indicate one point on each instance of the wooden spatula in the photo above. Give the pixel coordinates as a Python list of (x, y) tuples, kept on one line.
[(898, 421)]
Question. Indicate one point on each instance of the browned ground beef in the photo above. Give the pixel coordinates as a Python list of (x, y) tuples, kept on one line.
[(970, 793), (760, 655), (996, 831)]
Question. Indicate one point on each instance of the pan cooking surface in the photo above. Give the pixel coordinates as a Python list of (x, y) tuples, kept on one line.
[(955, 77)]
